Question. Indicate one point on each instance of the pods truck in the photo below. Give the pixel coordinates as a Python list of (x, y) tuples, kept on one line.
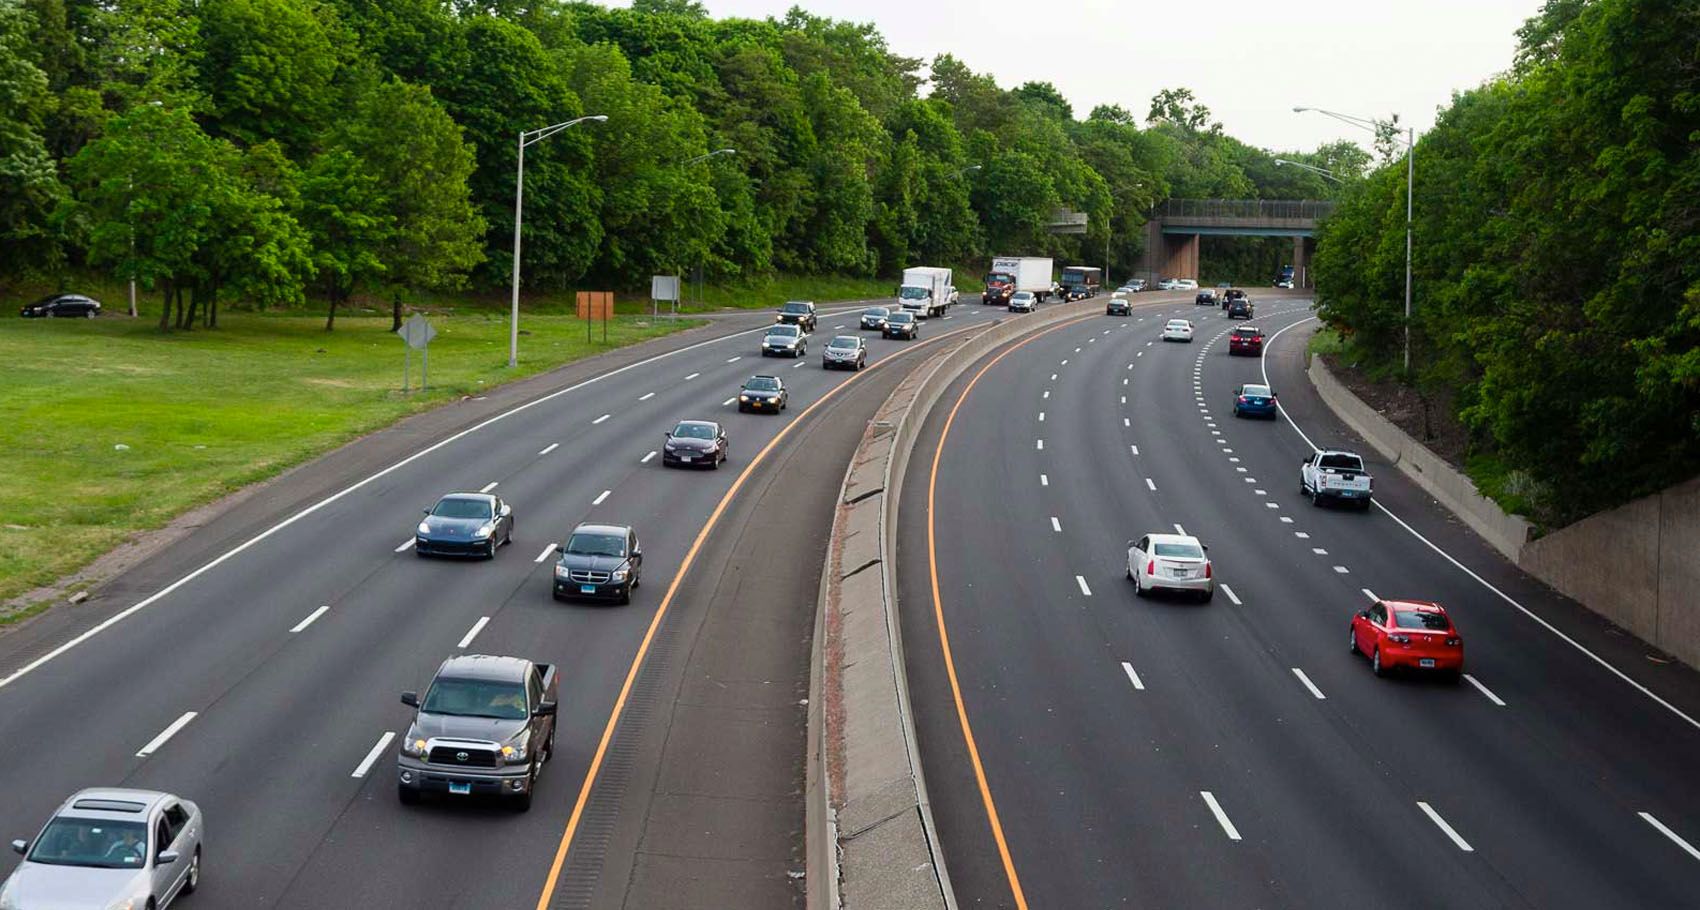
[(926, 291), (1011, 274)]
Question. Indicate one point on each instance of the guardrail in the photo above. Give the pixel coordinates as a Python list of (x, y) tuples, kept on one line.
[(1244, 209)]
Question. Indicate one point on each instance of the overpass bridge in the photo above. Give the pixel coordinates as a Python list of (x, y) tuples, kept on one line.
[(1171, 241)]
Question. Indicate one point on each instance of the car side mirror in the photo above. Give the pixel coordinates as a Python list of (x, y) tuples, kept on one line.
[(20, 847), (410, 699), (1130, 545), (1205, 547), (637, 552), (544, 709), (165, 858), (426, 511), (1363, 614), (507, 510), (561, 548)]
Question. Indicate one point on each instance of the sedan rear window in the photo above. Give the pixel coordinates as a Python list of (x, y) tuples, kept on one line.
[(1257, 391), (1420, 619), (462, 508), (476, 698), (95, 843), (585, 544), (1178, 550)]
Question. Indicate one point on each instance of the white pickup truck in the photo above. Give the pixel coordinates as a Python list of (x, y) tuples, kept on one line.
[(1335, 474)]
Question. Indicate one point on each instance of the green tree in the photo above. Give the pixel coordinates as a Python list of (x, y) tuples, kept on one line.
[(29, 181), (267, 68)]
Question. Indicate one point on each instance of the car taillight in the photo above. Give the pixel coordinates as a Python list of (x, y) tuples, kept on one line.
[(1242, 399), (1401, 639), (1151, 567), (1454, 642), (1207, 570)]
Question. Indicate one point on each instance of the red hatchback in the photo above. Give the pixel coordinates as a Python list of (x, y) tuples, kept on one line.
[(1408, 633), (1246, 340)]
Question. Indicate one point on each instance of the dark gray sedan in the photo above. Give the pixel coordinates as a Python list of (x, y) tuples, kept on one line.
[(846, 352), (465, 524), (695, 443), (874, 317), (110, 847)]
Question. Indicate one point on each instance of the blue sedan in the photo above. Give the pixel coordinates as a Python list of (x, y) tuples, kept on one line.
[(1254, 401), (465, 524)]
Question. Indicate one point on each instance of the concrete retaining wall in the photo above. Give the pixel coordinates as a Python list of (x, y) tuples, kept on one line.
[(871, 840), (1506, 533), (1637, 565)]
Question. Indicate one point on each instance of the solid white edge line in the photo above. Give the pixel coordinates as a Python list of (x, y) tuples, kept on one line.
[(1308, 684), (598, 500), (1132, 677), (554, 445), (1675, 838), (166, 734), (372, 756), (472, 633), (1440, 823), (155, 597), (489, 486), (545, 554), (1605, 664), (1484, 690), (600, 419), (311, 618), (1081, 580), (645, 459), (1056, 525), (1221, 817), (1231, 595)]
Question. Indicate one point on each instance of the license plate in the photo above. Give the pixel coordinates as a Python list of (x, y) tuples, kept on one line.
[(460, 787), (587, 589), (1425, 662), (1180, 573), (687, 458)]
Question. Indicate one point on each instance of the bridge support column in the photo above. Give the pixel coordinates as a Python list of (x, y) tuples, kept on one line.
[(1180, 256), (1303, 248)]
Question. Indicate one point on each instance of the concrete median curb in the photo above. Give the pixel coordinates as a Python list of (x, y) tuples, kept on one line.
[(872, 844)]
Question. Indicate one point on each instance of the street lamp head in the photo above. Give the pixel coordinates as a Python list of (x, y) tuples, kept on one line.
[(597, 117), (1300, 110), (725, 152)]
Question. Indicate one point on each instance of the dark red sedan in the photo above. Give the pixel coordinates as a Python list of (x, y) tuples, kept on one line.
[(1415, 634), (1246, 340)]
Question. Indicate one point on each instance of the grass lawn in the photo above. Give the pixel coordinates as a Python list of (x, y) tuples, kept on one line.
[(206, 412)]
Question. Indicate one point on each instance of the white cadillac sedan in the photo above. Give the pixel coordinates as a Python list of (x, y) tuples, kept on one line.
[(1170, 562), (1177, 330)]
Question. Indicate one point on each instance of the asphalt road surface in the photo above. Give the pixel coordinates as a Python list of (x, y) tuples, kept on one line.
[(1166, 753), (265, 686)]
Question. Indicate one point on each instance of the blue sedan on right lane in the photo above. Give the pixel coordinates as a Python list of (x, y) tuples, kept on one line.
[(1254, 401)]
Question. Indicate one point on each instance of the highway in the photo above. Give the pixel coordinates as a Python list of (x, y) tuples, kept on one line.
[(1084, 749), (255, 666)]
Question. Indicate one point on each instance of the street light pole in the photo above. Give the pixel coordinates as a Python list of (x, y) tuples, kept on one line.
[(1410, 192), (528, 137), (1322, 172)]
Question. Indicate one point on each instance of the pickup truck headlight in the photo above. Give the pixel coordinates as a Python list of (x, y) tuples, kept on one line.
[(414, 745), (515, 752), (484, 530)]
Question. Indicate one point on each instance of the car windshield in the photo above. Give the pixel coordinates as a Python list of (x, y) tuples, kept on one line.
[(1257, 391), (476, 698), (762, 384), (92, 842), (1343, 462), (585, 543), (462, 508), (795, 308), (785, 331), (693, 431), (902, 317), (910, 292), (1178, 550), (1421, 619), (876, 311), (999, 278), (1024, 295), (844, 342)]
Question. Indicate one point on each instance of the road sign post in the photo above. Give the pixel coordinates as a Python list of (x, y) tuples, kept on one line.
[(417, 333), (593, 304)]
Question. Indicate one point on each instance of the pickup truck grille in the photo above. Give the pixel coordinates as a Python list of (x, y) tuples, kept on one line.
[(474, 756)]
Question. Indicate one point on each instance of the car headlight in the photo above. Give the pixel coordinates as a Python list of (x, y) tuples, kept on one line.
[(671, 446), (515, 752), (743, 398), (484, 530), (562, 572), (424, 527), (619, 575), (128, 903)]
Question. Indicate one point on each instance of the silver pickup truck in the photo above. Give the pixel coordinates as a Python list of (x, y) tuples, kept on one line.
[(1336, 474), (485, 726)]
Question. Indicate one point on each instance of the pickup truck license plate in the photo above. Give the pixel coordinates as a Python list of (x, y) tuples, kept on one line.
[(1425, 662), (587, 589), (460, 787)]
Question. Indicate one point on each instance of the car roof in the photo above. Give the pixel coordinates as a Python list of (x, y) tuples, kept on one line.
[(696, 423), (903, 313), (103, 803), (807, 303), (1339, 452), (1180, 320), (783, 328), (477, 497), (1248, 330), (852, 339), (765, 376), (1174, 538), (590, 528), (483, 666), (872, 308), (1415, 606)]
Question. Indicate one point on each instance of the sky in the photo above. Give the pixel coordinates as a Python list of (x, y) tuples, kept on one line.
[(1249, 61)]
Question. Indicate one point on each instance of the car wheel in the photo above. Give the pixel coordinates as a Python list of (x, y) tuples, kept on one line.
[(1316, 500), (1138, 588), (193, 879), (1353, 636), (490, 549), (1375, 663), (407, 795), (522, 802), (626, 595), (89, 314), (1208, 595)]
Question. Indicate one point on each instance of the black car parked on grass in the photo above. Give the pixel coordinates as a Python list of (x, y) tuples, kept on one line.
[(61, 306)]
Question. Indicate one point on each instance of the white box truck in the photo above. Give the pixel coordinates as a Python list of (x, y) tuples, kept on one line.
[(1010, 274), (926, 291)]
